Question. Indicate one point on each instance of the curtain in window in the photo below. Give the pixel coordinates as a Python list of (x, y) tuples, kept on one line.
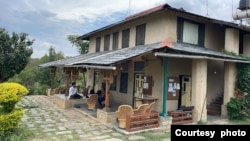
[(190, 33)]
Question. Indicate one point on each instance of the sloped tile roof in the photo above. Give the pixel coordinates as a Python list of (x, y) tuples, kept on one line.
[(104, 58), (110, 58), (188, 49), (62, 62)]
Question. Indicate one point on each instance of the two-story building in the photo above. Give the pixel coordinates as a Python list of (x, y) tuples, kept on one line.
[(167, 54)]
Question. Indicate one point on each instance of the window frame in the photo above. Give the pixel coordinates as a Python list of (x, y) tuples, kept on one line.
[(106, 42), (115, 40), (201, 31), (125, 37), (98, 44), (140, 34), (124, 80)]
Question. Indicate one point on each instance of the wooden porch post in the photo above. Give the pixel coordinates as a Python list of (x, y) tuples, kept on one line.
[(67, 74), (52, 76), (108, 78), (74, 72)]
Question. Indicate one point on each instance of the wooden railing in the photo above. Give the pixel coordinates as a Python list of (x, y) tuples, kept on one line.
[(142, 121), (181, 117)]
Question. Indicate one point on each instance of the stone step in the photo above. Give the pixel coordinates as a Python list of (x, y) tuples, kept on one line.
[(213, 112), (215, 106)]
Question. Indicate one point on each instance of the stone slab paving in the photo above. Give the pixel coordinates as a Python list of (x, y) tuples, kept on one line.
[(50, 122)]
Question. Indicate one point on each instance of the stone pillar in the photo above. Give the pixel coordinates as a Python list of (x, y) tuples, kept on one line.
[(231, 45), (246, 45), (199, 89), (229, 85), (232, 40)]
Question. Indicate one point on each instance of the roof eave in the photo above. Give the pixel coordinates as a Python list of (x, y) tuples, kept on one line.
[(87, 35), (165, 7)]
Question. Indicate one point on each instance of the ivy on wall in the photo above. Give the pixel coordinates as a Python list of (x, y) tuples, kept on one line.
[(239, 106)]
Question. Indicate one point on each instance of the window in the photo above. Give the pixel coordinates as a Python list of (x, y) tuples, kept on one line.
[(140, 34), (124, 82), (125, 38), (98, 44), (124, 77), (115, 40), (190, 32), (106, 42), (139, 66)]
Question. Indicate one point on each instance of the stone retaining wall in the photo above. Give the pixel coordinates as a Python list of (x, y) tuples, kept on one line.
[(106, 117), (64, 103)]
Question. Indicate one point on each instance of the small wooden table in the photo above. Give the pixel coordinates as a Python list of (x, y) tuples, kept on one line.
[(145, 99)]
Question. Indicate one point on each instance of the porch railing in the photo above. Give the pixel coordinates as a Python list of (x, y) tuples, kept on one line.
[(142, 121)]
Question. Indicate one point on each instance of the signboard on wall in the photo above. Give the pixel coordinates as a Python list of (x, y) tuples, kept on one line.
[(147, 85), (173, 88)]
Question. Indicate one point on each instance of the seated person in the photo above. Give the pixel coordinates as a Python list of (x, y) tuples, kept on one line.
[(92, 91), (101, 97), (73, 92)]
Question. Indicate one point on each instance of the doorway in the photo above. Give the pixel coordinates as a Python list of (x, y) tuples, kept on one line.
[(138, 87), (186, 90)]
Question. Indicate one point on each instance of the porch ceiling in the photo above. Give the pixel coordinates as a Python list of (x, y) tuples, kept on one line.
[(180, 50)]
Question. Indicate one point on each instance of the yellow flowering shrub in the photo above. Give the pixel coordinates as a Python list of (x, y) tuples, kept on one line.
[(10, 94)]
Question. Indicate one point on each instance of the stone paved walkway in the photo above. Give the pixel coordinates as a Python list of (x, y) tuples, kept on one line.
[(51, 123)]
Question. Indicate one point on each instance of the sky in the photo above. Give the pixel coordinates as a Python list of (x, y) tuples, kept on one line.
[(49, 22)]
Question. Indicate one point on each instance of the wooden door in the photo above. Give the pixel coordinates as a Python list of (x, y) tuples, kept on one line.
[(138, 87), (186, 91)]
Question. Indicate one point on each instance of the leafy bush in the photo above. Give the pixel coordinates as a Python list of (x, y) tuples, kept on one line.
[(239, 106), (236, 108), (21, 133), (10, 94), (10, 120)]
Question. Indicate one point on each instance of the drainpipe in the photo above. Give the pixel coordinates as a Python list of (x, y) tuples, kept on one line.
[(165, 84)]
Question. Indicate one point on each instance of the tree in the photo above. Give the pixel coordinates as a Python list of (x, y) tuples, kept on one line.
[(82, 45), (15, 52), (36, 79)]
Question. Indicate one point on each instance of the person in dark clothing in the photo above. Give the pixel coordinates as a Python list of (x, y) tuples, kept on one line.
[(92, 91), (101, 97)]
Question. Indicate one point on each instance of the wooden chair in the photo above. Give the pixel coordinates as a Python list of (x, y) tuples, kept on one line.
[(141, 109), (122, 112), (91, 101), (149, 108), (85, 92), (54, 91)]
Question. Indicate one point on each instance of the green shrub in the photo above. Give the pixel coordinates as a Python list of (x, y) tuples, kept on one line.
[(234, 108), (21, 133), (10, 120), (10, 94), (238, 107)]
